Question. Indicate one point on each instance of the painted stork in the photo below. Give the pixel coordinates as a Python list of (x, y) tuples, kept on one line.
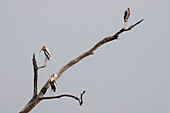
[(53, 84), (126, 16), (47, 54)]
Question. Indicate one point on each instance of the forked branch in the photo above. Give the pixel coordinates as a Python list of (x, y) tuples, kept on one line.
[(40, 96), (35, 76), (66, 95)]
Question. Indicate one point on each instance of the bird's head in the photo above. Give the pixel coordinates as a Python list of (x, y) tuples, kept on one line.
[(44, 47), (129, 8), (52, 76)]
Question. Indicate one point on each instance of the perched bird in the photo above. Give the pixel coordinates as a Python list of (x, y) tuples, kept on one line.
[(47, 54), (126, 16), (53, 84)]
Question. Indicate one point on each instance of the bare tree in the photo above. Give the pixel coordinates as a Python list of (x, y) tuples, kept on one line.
[(38, 97)]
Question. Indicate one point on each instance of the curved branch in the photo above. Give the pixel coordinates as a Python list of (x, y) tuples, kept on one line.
[(91, 51), (66, 95), (34, 102)]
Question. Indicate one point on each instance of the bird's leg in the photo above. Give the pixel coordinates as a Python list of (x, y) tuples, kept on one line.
[(126, 24), (45, 61), (50, 92)]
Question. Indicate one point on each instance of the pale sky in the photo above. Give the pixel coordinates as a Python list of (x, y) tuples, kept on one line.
[(130, 75)]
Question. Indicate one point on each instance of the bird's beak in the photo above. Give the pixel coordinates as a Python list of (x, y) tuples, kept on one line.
[(41, 49)]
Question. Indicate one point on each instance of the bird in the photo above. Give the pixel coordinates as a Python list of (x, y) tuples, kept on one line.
[(126, 16), (47, 54), (53, 84)]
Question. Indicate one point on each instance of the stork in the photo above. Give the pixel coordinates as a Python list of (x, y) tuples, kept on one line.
[(126, 16), (47, 54), (53, 84)]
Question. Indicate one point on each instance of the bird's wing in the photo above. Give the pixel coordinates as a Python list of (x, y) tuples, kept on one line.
[(55, 83), (48, 51), (129, 14), (125, 14)]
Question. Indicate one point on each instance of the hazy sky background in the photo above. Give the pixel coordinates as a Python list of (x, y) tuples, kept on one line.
[(130, 75)]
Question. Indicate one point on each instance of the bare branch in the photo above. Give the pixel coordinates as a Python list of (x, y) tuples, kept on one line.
[(81, 98), (134, 25), (35, 76), (30, 105), (91, 51), (67, 95), (41, 67), (39, 97)]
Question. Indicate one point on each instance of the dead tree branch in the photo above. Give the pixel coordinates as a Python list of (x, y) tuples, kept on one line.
[(35, 76), (39, 97), (41, 67), (91, 51), (66, 95)]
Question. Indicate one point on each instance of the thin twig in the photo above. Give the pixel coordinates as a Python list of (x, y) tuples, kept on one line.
[(41, 67), (66, 95), (134, 24), (81, 98)]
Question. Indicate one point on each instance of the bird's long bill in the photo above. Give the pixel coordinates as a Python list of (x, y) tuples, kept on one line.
[(41, 49)]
